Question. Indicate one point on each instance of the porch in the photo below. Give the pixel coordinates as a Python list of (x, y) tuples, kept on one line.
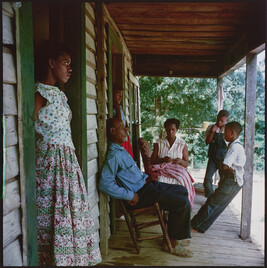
[(219, 246)]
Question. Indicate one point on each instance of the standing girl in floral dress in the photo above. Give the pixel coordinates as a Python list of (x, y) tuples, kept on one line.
[(66, 235)]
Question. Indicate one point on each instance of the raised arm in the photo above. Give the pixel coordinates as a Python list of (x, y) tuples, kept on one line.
[(154, 157), (211, 133)]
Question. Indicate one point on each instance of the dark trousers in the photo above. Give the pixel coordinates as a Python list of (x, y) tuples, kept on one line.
[(212, 166), (173, 198), (216, 203)]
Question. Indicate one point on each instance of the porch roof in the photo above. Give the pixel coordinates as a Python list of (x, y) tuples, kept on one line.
[(192, 38)]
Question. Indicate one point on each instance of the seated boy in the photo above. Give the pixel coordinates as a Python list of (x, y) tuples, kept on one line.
[(231, 181), (122, 179)]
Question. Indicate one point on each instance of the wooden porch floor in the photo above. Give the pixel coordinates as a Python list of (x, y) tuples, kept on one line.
[(219, 246)]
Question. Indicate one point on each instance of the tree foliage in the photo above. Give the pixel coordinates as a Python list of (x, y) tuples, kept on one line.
[(193, 101)]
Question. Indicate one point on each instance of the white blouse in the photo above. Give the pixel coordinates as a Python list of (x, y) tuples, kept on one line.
[(53, 120)]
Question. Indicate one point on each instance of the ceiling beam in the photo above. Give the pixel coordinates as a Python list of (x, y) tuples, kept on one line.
[(175, 66)]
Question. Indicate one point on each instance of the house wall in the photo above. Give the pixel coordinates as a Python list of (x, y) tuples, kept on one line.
[(12, 229), (91, 98)]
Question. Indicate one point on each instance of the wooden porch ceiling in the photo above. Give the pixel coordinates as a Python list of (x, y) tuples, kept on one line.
[(192, 38)]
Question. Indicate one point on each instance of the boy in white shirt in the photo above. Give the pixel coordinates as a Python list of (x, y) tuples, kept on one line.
[(231, 181)]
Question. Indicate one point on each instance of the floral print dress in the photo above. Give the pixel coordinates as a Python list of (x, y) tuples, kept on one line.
[(66, 234)]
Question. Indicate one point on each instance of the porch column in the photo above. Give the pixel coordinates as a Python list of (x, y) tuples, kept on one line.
[(101, 120), (220, 96), (249, 130)]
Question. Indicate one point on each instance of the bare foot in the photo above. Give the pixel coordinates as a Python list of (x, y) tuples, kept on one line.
[(193, 230)]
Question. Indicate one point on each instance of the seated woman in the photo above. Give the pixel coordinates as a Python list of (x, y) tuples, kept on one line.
[(170, 160)]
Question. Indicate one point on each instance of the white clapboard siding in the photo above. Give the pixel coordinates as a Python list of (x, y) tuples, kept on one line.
[(90, 58), (91, 136), (10, 99), (9, 67), (92, 151), (92, 167), (90, 42), (92, 191), (90, 11), (91, 122), (11, 130), (95, 214), (90, 28), (12, 162), (8, 34), (12, 254), (91, 106), (90, 90), (11, 198), (7, 9), (11, 227)]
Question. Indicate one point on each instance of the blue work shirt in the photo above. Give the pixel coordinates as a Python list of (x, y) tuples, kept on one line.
[(120, 177)]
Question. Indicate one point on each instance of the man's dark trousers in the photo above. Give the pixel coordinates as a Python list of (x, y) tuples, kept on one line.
[(173, 198)]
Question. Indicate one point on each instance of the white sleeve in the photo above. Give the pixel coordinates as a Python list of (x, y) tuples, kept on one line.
[(230, 157)]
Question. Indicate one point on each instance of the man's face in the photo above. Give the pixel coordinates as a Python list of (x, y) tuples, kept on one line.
[(221, 120), (118, 132)]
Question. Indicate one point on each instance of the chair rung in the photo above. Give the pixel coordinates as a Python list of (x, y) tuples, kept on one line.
[(146, 224), (149, 237)]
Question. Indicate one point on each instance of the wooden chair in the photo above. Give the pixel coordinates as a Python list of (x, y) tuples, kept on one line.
[(135, 227)]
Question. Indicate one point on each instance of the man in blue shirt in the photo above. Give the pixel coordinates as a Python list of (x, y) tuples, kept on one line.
[(122, 179)]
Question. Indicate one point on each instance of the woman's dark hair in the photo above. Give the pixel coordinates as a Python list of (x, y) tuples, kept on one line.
[(47, 50), (171, 121)]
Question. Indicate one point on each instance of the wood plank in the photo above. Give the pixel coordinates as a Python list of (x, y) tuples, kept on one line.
[(91, 136), (90, 27), (181, 28), (11, 131), (91, 122), (12, 162), (102, 141), (128, 34), (90, 90), (159, 8), (174, 66), (25, 88), (91, 106), (178, 45), (9, 66), (8, 30), (90, 73), (11, 227), (7, 9), (187, 18), (92, 167), (90, 57), (93, 196), (92, 151), (12, 254), (10, 99), (11, 200), (133, 79), (90, 42), (249, 130), (90, 10)]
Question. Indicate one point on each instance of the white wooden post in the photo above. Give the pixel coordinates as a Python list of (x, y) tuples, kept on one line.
[(250, 102), (219, 94)]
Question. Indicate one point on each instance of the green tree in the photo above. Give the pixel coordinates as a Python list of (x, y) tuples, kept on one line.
[(193, 101)]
